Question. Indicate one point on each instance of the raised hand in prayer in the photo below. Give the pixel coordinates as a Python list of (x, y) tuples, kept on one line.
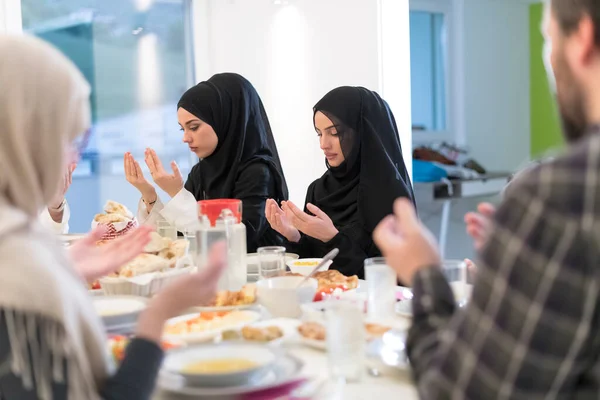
[(171, 183)]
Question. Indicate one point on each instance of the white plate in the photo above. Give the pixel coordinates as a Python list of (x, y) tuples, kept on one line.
[(285, 371), (195, 337), (315, 344), (289, 327), (224, 308), (263, 356), (96, 292), (117, 311), (307, 269)]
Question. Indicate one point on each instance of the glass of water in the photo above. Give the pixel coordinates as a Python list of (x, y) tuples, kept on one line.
[(271, 261), (346, 340), (456, 274), (381, 288), (165, 229)]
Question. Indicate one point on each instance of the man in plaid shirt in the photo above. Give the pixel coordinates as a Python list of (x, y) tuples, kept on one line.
[(532, 327)]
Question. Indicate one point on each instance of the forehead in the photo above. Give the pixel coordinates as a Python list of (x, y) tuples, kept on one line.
[(322, 121)]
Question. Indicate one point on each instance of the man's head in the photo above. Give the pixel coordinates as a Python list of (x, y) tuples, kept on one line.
[(572, 33)]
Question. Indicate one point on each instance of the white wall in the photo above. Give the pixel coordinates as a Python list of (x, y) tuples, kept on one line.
[(10, 16), (496, 70), (294, 54)]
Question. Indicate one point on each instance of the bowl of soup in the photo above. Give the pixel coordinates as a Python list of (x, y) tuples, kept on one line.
[(221, 365)]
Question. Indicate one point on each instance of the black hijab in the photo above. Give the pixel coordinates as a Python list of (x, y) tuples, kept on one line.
[(232, 107), (363, 188)]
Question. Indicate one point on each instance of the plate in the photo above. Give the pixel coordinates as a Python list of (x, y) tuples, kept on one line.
[(118, 311), (285, 371), (262, 356), (246, 317), (96, 292), (289, 327), (223, 308)]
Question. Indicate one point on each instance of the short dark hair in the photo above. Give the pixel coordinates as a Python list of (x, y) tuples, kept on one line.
[(570, 12)]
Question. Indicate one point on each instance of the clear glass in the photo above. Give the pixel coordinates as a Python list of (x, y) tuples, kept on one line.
[(381, 288), (190, 236), (137, 57), (346, 340), (428, 61), (457, 275), (165, 229), (271, 261)]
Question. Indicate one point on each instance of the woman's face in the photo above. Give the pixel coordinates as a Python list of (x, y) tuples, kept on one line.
[(199, 136), (329, 139)]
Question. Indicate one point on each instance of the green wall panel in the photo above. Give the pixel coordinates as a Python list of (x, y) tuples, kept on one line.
[(546, 133)]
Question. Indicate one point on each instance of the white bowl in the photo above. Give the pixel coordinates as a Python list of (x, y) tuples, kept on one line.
[(252, 261), (118, 310), (263, 356), (307, 269), (282, 297)]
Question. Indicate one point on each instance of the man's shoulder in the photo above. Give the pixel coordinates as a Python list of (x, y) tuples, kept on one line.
[(569, 183)]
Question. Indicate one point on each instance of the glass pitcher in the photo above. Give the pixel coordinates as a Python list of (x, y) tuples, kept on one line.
[(221, 220)]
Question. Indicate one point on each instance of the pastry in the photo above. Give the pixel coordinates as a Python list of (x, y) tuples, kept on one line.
[(157, 243), (112, 207), (176, 249), (143, 264), (312, 330), (264, 334)]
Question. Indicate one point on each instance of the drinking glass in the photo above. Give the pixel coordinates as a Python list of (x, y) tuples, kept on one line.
[(346, 340), (271, 261), (381, 288), (456, 274), (190, 236), (165, 229)]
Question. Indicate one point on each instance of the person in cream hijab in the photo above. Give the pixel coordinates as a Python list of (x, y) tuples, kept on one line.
[(52, 344)]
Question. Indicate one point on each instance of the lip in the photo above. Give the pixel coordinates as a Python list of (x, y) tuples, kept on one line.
[(330, 156), (193, 149)]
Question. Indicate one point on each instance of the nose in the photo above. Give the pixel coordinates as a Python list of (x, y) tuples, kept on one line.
[(186, 138), (324, 142)]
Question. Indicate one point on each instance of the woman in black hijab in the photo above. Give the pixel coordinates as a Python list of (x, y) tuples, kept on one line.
[(365, 174), (226, 126)]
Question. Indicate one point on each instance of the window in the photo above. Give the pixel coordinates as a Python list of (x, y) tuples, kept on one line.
[(429, 66), (135, 55)]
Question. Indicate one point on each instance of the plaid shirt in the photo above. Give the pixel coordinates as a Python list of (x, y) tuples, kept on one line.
[(532, 328)]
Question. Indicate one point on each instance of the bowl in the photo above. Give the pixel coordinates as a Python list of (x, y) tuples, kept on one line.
[(139, 285), (118, 311), (262, 357), (305, 266), (282, 297), (252, 261)]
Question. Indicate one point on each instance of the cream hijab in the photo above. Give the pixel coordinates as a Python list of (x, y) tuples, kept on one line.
[(44, 106)]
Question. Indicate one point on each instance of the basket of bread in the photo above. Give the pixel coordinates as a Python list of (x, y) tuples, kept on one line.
[(163, 261), (117, 218)]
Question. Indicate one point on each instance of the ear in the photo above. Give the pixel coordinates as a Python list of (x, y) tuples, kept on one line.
[(584, 38)]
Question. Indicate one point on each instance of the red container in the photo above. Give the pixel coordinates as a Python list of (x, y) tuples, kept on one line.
[(213, 208)]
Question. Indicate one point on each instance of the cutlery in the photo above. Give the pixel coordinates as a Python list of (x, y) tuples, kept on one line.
[(328, 257)]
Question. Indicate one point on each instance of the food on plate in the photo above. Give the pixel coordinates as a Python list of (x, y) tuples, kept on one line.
[(312, 330), (332, 277), (175, 249), (219, 366), (206, 321), (261, 334), (157, 243), (316, 331), (94, 285), (375, 330), (331, 282), (226, 298), (118, 343), (143, 264)]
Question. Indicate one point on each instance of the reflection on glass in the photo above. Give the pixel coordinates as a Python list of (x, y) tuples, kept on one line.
[(133, 54), (428, 70)]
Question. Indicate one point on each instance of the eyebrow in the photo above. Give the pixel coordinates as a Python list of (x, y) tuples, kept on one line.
[(328, 128)]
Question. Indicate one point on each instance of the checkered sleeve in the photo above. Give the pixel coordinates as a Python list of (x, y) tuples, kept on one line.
[(526, 333)]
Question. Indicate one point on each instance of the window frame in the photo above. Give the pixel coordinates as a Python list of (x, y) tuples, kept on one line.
[(452, 95)]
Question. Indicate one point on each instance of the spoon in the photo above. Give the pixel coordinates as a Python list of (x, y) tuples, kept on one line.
[(328, 257)]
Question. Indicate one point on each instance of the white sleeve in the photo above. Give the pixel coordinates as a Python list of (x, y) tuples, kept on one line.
[(145, 218), (182, 210), (60, 228)]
